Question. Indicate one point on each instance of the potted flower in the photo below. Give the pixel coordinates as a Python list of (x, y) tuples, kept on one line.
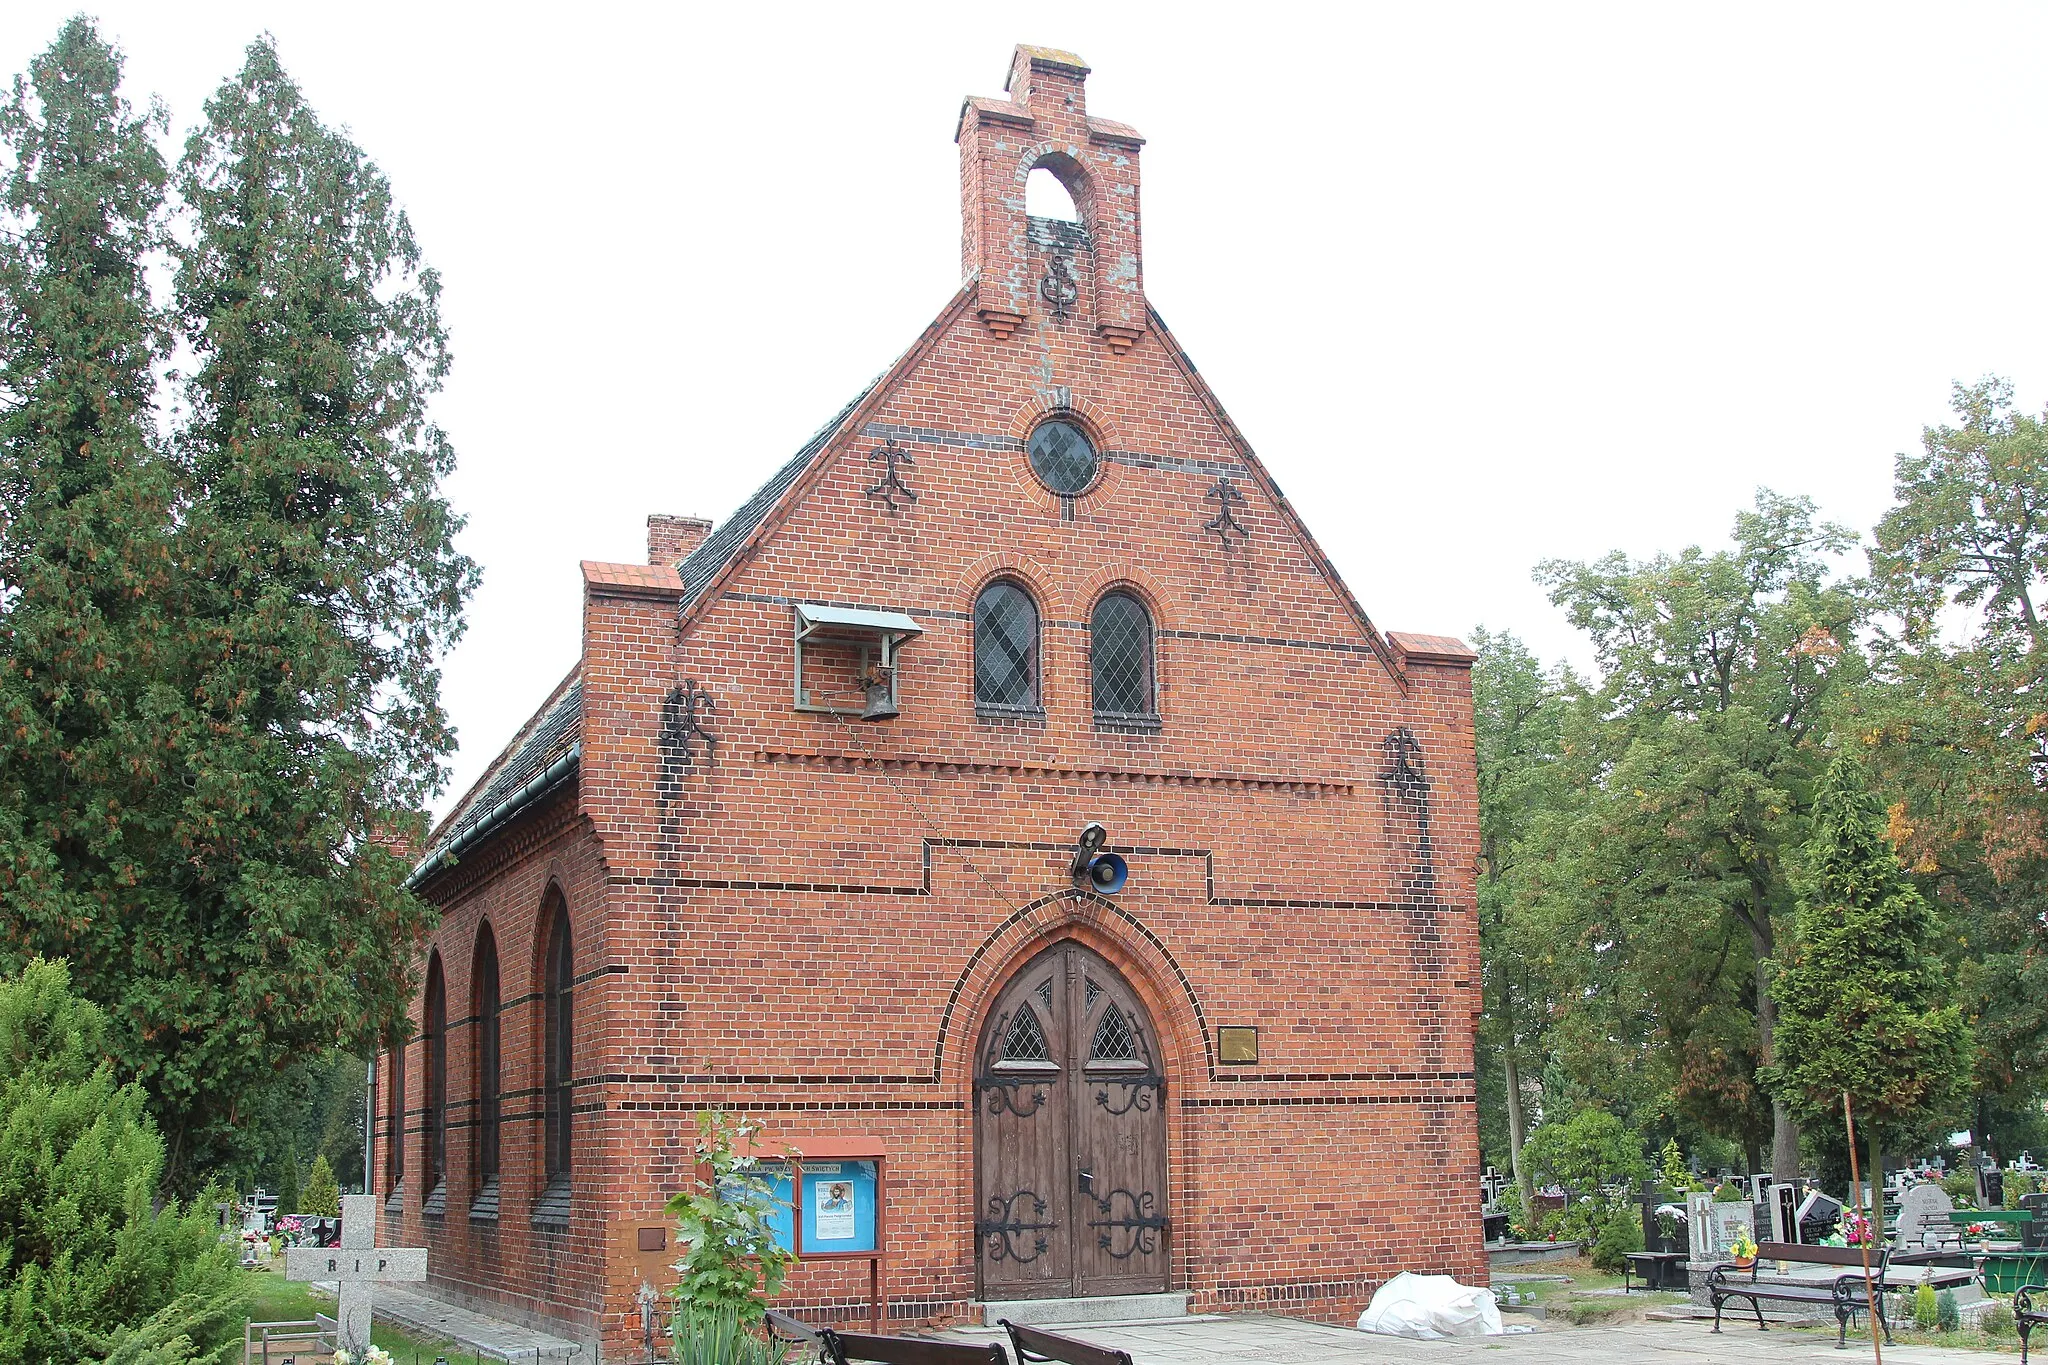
[(1743, 1249), (1855, 1230)]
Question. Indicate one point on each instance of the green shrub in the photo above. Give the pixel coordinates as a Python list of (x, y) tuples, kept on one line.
[(1960, 1186), (1946, 1315), (1926, 1311), (1620, 1234), (322, 1196), (2017, 1186), (1585, 1152), (84, 1254), (1996, 1321), (1730, 1194)]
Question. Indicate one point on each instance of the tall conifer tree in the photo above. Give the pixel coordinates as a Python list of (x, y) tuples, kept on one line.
[(91, 732), (1862, 1003), (326, 585), (219, 704)]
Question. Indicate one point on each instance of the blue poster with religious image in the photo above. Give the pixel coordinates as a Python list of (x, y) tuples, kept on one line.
[(838, 1206)]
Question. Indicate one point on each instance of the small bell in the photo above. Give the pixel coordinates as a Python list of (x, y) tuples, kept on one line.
[(881, 690)]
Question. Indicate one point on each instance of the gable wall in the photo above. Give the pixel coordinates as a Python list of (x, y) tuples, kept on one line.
[(793, 957)]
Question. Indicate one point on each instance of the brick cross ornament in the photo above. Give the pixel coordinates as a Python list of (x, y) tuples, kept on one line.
[(355, 1265)]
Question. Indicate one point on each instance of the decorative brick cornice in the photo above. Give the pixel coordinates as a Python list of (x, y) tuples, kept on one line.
[(1000, 321), (1119, 336)]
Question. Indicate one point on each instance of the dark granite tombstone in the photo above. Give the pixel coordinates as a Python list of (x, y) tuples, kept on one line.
[(2034, 1236), (1819, 1215)]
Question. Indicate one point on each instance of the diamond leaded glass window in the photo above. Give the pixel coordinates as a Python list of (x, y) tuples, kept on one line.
[(1005, 647), (1120, 658), (1114, 1041), (1063, 456), (1025, 1042)]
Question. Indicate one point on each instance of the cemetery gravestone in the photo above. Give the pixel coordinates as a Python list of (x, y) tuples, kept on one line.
[(1819, 1215), (355, 1265), (1922, 1209), (1701, 1232), (1728, 1220), (2034, 1235)]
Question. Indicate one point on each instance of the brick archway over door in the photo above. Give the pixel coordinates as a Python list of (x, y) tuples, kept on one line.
[(1070, 1135)]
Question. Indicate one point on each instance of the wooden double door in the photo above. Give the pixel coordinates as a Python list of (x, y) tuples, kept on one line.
[(1070, 1135)]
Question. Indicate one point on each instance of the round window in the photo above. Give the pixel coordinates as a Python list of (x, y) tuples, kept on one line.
[(1062, 455)]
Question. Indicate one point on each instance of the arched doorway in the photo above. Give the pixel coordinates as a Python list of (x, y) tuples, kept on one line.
[(1070, 1135)]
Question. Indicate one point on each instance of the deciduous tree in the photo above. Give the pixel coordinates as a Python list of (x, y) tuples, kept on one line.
[(1696, 753)]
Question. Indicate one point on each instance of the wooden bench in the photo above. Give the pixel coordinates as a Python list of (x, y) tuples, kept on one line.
[(1035, 1346), (1846, 1294), (2029, 1310), (843, 1348)]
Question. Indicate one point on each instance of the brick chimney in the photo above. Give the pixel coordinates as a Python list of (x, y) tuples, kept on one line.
[(1027, 269), (670, 539)]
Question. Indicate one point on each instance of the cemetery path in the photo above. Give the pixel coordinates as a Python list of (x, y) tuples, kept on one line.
[(490, 1338), (1252, 1339)]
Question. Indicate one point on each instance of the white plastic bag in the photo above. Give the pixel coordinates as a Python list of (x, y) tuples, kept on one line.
[(1429, 1308)]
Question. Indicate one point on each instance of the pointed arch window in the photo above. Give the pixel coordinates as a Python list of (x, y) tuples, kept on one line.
[(559, 1042), (1025, 1040), (1120, 646), (394, 1118), (1114, 1041), (434, 1153), (484, 1002), (1005, 649)]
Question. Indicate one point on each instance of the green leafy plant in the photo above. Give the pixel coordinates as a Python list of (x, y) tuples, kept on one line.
[(1996, 1321), (1960, 1186), (1674, 1173), (732, 1262), (1947, 1316), (1926, 1311), (724, 1336), (1730, 1194)]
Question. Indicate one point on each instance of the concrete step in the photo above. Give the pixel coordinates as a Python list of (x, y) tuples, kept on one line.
[(1078, 1312)]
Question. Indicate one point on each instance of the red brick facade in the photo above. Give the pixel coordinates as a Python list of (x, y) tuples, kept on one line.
[(805, 917)]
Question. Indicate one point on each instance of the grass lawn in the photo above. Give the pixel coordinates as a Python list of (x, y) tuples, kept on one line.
[(281, 1300)]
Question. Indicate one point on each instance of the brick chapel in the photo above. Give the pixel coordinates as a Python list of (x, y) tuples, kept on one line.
[(804, 836)]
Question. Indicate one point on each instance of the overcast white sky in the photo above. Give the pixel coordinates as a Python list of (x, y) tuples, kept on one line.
[(1482, 284)]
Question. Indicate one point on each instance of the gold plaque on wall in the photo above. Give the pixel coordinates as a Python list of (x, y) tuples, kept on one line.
[(1237, 1045)]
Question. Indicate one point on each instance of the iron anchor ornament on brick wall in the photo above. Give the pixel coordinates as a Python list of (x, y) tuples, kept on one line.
[(1058, 288), (890, 486), (682, 722), (1226, 497)]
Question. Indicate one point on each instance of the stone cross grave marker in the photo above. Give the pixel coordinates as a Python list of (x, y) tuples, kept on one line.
[(1923, 1209), (356, 1264)]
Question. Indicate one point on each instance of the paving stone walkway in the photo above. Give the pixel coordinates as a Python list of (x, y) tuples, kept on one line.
[(476, 1334), (1250, 1339)]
